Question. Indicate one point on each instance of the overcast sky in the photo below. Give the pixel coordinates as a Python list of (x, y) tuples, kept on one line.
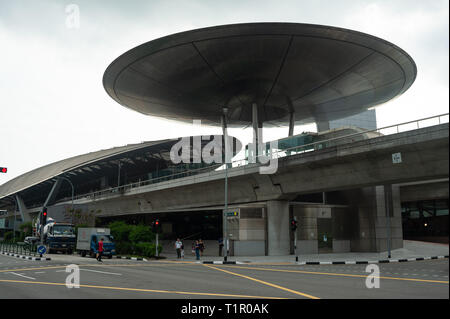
[(53, 104)]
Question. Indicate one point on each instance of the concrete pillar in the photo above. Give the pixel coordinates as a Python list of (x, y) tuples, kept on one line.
[(371, 228), (291, 123), (278, 228), (388, 230), (22, 209), (257, 129)]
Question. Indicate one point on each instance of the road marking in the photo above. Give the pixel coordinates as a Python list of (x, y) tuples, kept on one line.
[(102, 272), (91, 265), (264, 283), (145, 290), (336, 274), (40, 272), (22, 275)]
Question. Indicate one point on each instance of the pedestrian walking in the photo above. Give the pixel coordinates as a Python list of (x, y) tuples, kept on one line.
[(100, 250), (178, 245), (197, 250)]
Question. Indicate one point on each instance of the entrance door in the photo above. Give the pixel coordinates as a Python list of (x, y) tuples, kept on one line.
[(325, 235)]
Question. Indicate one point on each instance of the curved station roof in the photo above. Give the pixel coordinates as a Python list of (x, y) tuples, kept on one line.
[(136, 160), (319, 72)]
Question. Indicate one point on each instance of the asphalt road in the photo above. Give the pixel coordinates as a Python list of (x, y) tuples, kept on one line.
[(117, 278)]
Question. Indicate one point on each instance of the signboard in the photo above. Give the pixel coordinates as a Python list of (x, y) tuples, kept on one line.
[(232, 214), (396, 158), (41, 250)]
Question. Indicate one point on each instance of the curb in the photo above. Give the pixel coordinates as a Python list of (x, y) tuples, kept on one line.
[(357, 262), (349, 262), (223, 262), (26, 257), (131, 258)]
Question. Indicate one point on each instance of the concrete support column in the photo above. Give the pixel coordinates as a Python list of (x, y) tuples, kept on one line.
[(22, 209), (257, 129), (278, 228), (53, 193), (291, 123), (388, 222), (228, 152)]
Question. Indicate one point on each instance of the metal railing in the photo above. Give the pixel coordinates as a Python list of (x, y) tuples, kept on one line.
[(19, 248), (318, 145)]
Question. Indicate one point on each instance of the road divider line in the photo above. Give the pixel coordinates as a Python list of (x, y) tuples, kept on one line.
[(338, 274), (263, 282), (90, 265), (22, 276), (143, 290)]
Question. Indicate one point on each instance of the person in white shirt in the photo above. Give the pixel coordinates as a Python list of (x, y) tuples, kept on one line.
[(178, 245)]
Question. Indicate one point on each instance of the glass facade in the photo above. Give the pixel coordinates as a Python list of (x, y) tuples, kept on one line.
[(365, 120), (425, 220)]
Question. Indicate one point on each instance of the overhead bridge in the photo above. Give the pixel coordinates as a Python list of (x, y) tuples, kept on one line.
[(416, 155)]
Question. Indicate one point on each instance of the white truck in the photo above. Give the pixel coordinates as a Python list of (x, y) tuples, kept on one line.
[(88, 238)]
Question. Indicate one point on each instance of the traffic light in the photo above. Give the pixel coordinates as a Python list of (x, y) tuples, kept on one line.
[(44, 216), (293, 225), (3, 169), (156, 226)]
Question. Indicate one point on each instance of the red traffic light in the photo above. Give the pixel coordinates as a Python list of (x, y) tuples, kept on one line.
[(45, 213), (157, 223), (3, 169)]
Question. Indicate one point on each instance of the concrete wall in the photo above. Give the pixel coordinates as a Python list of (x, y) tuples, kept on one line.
[(278, 228), (438, 190), (249, 248)]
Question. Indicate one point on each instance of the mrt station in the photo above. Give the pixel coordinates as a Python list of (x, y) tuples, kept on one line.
[(350, 187)]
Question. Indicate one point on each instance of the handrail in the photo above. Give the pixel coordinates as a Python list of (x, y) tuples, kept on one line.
[(310, 146)]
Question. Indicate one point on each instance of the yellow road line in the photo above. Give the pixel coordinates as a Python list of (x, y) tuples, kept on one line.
[(264, 282), (338, 274), (144, 290)]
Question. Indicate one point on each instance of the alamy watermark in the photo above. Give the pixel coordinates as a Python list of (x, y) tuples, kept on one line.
[(373, 279), (73, 16), (215, 152), (73, 279)]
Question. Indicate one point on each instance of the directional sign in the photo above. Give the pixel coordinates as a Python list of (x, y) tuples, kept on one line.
[(232, 214), (41, 249)]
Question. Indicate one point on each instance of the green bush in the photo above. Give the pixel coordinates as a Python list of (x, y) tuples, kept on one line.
[(141, 233), (124, 248), (26, 229), (120, 230), (8, 236), (147, 249)]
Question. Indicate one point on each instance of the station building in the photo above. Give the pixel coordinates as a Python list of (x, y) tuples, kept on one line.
[(260, 75)]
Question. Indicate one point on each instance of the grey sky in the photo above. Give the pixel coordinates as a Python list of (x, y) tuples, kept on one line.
[(53, 104)]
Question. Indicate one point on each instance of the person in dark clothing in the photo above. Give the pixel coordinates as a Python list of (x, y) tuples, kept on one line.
[(100, 250), (201, 246), (197, 250)]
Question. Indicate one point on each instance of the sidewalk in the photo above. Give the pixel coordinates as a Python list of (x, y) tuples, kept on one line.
[(411, 250)]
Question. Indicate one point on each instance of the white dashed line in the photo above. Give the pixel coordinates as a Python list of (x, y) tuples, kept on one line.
[(22, 276)]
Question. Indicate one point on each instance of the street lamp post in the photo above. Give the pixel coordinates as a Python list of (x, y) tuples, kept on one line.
[(225, 218)]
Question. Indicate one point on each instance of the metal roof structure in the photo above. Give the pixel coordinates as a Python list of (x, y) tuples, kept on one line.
[(140, 159), (318, 73)]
